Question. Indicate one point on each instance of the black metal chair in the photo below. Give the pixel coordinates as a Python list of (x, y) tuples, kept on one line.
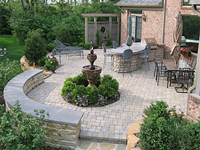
[(161, 71), (160, 65), (127, 57), (184, 76)]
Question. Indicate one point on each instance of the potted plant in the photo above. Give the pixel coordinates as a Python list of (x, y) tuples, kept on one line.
[(105, 40), (187, 50), (51, 63)]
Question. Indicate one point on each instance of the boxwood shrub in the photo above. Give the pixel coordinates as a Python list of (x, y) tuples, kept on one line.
[(164, 129), (77, 86)]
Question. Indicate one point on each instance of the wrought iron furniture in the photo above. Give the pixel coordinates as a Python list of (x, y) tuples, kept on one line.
[(127, 57), (184, 76), (68, 50), (160, 70), (172, 68), (106, 54)]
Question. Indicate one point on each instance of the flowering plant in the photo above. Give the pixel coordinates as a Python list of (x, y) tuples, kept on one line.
[(50, 63), (187, 49)]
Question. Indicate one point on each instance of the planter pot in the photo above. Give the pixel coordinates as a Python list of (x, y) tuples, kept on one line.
[(53, 68), (186, 53), (105, 41)]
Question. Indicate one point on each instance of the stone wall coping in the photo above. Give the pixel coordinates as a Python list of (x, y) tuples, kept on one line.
[(13, 91)]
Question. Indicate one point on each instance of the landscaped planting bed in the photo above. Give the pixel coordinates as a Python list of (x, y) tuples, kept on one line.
[(75, 91)]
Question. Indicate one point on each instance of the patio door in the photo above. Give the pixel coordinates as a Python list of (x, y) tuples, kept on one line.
[(136, 27)]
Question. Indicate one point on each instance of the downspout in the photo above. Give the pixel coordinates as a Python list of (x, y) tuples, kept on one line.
[(163, 29)]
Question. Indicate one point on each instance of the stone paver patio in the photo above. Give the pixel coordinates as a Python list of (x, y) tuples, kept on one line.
[(109, 123)]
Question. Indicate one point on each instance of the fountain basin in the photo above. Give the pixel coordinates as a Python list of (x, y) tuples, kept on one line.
[(91, 75)]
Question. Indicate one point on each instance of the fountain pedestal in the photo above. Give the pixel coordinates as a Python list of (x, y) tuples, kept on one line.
[(91, 72)]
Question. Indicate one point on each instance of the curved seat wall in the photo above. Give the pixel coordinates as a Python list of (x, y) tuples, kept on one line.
[(66, 122)]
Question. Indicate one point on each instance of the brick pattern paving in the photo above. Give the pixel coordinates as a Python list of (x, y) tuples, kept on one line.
[(109, 123)]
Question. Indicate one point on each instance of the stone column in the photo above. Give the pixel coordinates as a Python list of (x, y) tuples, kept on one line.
[(95, 29), (110, 26), (86, 29), (198, 71)]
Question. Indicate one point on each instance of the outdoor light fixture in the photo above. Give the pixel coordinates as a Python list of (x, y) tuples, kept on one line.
[(144, 17), (194, 6)]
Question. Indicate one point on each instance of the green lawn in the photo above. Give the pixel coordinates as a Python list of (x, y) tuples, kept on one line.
[(14, 50)]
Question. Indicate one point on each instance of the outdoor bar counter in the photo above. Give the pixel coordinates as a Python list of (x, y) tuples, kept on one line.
[(137, 49)]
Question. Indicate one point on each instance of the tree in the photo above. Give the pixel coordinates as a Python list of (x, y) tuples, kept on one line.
[(35, 47)]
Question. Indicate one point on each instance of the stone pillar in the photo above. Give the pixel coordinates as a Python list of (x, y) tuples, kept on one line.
[(198, 72), (118, 30), (86, 29), (110, 26), (95, 29)]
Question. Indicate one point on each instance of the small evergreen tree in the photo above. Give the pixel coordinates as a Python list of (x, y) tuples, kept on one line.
[(35, 47)]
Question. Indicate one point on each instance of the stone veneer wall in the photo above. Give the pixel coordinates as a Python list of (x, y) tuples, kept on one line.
[(193, 107), (65, 122)]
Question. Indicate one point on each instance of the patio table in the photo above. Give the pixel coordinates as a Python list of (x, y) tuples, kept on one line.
[(137, 48), (172, 68)]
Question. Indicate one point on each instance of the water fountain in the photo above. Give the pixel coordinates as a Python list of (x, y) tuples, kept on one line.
[(91, 72)]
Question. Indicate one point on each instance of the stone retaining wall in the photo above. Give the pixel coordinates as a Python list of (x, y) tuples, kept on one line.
[(65, 122), (193, 107)]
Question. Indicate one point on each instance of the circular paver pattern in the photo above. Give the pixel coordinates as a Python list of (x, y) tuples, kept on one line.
[(110, 122)]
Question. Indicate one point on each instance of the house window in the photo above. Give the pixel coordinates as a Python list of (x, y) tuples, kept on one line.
[(136, 27)]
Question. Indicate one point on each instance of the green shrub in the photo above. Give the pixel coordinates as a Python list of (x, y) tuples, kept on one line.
[(80, 80), (155, 133), (19, 131), (81, 44), (78, 91), (51, 46), (8, 71), (35, 47), (75, 44), (105, 86), (68, 79), (87, 46), (68, 87), (97, 38), (157, 110), (106, 90), (189, 134), (41, 61), (92, 95), (160, 130), (109, 41), (63, 35)]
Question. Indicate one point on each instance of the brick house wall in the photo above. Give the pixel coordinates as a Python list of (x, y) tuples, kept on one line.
[(193, 107), (154, 23)]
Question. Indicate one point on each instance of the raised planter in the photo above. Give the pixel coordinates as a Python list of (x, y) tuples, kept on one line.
[(66, 122)]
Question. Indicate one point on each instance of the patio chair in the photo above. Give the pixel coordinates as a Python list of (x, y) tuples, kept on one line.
[(160, 66), (184, 76), (146, 57), (105, 54), (161, 71), (115, 44), (65, 48), (127, 56)]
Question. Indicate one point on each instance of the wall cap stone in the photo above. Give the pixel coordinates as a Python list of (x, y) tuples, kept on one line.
[(14, 91)]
